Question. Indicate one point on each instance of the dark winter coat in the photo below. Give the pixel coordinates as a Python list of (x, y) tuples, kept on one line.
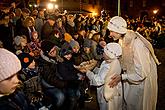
[(47, 31), (48, 72), (6, 37), (15, 101), (69, 73)]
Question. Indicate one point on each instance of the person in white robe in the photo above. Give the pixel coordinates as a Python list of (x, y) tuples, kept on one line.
[(139, 66), (97, 77)]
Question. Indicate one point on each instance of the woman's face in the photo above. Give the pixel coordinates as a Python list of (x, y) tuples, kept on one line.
[(30, 23), (115, 35), (9, 85)]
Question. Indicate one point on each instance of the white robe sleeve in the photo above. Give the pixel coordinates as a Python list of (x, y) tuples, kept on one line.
[(98, 78)]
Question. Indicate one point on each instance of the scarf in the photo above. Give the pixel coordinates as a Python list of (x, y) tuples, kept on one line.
[(30, 30), (127, 47)]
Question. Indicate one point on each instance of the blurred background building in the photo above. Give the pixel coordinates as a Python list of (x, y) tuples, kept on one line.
[(133, 8)]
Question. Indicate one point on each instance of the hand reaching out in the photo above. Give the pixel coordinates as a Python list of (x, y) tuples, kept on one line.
[(114, 80)]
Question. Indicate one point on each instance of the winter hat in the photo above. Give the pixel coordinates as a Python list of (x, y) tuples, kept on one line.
[(19, 39), (65, 49), (26, 10), (26, 59), (52, 17), (46, 46), (117, 24), (9, 64), (35, 12), (113, 50), (74, 44), (67, 37), (87, 43)]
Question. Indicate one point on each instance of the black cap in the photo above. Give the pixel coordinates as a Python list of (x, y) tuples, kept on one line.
[(46, 46)]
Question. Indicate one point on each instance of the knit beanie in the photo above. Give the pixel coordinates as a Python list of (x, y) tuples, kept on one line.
[(74, 44), (46, 46), (9, 64), (67, 37), (26, 59), (17, 40), (87, 43), (117, 24), (113, 50), (65, 49), (52, 17)]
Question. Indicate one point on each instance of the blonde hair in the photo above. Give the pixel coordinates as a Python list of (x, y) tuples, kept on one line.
[(26, 21)]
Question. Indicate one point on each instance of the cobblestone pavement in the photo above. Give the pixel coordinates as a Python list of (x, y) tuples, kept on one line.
[(161, 85)]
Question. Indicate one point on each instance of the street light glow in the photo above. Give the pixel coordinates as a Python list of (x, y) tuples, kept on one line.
[(55, 6), (94, 13), (155, 11), (50, 6), (35, 5), (30, 5), (53, 0)]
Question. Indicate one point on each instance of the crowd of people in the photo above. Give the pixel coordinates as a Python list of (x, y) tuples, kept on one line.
[(58, 56)]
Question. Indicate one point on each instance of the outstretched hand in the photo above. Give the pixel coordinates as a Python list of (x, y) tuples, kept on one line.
[(114, 80), (83, 70)]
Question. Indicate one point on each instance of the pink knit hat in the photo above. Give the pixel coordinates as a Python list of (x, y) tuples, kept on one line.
[(9, 64)]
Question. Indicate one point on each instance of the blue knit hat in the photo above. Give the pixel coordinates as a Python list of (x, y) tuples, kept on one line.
[(65, 49)]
